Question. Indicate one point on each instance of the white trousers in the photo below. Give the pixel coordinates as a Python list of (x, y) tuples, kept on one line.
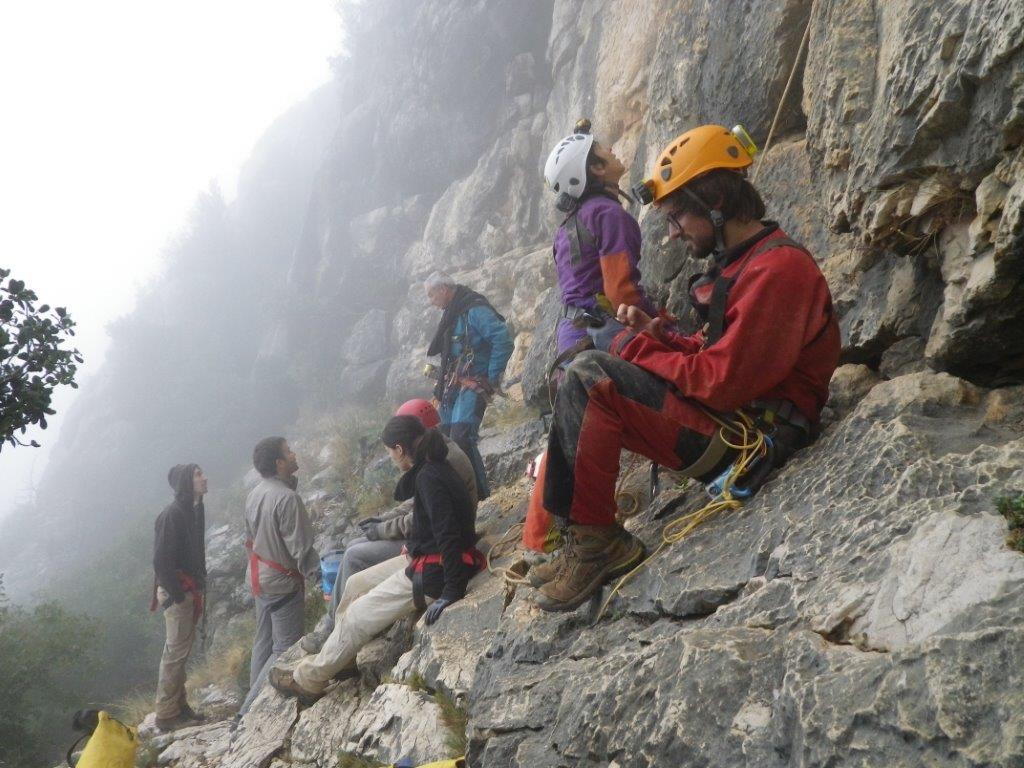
[(373, 600)]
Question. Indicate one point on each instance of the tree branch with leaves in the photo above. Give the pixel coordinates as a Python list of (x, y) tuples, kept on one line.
[(35, 359)]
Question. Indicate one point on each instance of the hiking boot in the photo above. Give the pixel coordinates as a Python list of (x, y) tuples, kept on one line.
[(166, 724), (283, 681), (592, 556), (541, 573), (190, 714), (348, 673)]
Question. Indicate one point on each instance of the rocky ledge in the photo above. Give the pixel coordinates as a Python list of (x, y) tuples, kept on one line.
[(863, 609)]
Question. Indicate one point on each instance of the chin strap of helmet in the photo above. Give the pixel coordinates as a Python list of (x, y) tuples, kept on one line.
[(716, 217)]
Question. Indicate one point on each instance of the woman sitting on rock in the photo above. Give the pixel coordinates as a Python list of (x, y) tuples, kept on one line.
[(440, 560)]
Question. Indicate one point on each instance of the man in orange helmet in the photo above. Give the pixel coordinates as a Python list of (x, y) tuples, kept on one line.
[(769, 346)]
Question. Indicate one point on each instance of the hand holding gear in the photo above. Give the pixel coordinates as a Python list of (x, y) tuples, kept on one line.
[(611, 336)]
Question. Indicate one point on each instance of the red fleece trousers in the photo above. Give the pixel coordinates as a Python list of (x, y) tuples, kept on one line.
[(604, 405)]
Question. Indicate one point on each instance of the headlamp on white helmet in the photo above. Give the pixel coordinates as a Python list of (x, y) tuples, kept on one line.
[(566, 168)]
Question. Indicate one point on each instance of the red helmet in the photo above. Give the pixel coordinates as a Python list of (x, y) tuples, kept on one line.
[(422, 410)]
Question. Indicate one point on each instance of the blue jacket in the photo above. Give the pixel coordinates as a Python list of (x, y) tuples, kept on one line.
[(487, 336)]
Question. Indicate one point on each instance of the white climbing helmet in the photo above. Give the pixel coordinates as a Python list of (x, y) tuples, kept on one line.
[(566, 168)]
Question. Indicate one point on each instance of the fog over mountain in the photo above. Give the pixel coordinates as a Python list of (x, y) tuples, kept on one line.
[(864, 608)]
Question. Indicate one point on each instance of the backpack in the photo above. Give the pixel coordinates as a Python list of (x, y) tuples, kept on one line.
[(111, 743)]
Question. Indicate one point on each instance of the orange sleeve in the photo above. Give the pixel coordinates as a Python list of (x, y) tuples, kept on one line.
[(617, 273)]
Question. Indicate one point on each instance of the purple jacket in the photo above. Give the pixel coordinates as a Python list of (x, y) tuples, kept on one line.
[(608, 262)]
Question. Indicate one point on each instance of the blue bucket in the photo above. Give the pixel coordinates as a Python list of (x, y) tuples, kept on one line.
[(330, 564)]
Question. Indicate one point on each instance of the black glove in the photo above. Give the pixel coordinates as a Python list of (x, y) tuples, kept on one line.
[(372, 532), (434, 611), (604, 336), (367, 522)]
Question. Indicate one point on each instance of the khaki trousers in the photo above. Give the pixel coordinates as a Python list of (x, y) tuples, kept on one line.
[(373, 600), (181, 631)]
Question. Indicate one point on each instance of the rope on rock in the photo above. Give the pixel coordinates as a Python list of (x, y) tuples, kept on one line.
[(502, 547), (785, 96), (750, 442)]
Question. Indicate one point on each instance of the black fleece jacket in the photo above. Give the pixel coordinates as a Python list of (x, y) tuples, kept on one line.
[(180, 530), (443, 522)]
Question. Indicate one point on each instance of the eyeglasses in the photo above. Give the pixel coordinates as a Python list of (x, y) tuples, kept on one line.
[(672, 219)]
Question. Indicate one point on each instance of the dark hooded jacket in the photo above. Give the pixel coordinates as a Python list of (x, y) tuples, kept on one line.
[(180, 528), (443, 522)]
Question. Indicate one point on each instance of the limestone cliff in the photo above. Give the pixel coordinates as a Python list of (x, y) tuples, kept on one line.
[(863, 609)]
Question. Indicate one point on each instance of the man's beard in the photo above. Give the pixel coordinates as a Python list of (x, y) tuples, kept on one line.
[(700, 248)]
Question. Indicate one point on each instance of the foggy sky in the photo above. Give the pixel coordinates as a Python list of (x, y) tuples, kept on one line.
[(116, 116)]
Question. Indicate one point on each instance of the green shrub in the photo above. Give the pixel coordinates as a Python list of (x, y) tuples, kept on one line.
[(45, 658), (1012, 508), (455, 719)]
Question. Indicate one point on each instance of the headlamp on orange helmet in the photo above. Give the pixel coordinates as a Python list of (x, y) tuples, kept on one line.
[(691, 155)]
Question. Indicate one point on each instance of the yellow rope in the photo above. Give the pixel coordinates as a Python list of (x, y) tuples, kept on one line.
[(751, 446)]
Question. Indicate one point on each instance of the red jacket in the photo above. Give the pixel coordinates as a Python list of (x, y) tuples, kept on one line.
[(781, 338)]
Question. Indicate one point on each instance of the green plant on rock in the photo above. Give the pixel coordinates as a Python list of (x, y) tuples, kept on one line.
[(1012, 508), (416, 681), (314, 608), (455, 719)]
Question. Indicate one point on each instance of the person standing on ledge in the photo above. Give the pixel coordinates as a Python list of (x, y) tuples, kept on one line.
[(474, 344), (279, 539), (179, 586)]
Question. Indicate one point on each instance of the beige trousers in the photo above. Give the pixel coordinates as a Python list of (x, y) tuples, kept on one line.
[(373, 600), (181, 631)]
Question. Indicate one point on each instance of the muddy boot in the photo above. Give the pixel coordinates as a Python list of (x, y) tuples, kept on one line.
[(283, 681), (592, 555), (190, 714), (541, 573)]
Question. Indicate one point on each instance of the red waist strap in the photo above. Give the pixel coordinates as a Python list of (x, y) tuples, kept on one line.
[(254, 569), (189, 585), (471, 557)]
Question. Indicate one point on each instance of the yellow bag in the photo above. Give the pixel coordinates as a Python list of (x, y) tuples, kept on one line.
[(112, 745)]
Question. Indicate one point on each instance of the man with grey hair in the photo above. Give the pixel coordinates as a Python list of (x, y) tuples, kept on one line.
[(474, 344), (438, 279)]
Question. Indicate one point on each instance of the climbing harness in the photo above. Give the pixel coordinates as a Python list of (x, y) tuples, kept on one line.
[(254, 569), (189, 585), (579, 237), (709, 291), (751, 443), (473, 557)]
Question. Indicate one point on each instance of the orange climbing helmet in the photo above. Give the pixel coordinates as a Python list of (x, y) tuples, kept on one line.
[(694, 153), (422, 410)]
